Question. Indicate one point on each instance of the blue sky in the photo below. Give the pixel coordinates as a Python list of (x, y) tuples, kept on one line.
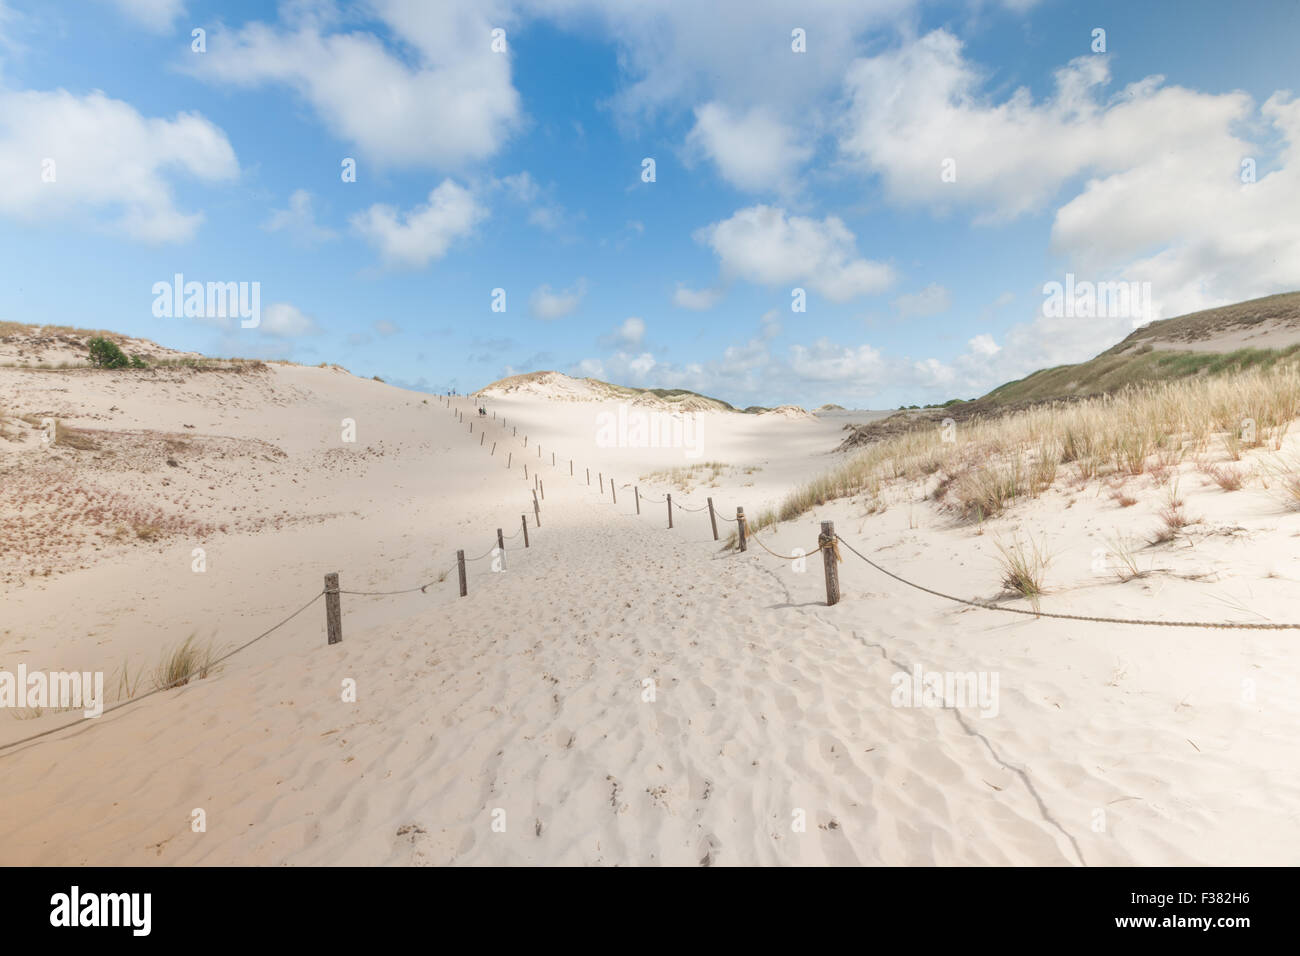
[(522, 170)]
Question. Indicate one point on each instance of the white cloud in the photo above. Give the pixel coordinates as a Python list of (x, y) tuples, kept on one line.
[(414, 238), (438, 97), (697, 300), (631, 332), (112, 166), (284, 321), (754, 152), (299, 220), (157, 16), (548, 304), (931, 300), (917, 106), (825, 361), (763, 245), (983, 344)]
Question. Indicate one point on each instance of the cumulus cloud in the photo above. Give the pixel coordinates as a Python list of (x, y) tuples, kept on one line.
[(754, 152), (764, 245), (414, 238), (112, 168), (629, 333), (436, 96), (299, 220), (548, 304), (282, 320)]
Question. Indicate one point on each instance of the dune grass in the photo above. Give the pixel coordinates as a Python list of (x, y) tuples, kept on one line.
[(995, 462), (183, 663)]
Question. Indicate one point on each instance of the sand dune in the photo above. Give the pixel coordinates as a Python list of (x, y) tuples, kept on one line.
[(515, 725)]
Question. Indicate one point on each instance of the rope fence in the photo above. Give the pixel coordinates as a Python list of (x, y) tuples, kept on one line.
[(828, 543)]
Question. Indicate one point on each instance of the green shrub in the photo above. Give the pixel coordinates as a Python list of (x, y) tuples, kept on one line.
[(137, 362), (106, 354)]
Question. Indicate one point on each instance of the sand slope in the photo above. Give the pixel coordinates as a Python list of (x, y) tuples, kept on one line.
[(1110, 745)]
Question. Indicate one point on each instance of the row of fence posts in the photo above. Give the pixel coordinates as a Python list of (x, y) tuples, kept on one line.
[(825, 540)]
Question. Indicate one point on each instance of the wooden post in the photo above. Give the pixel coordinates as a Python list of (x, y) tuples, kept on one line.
[(636, 490), (570, 467), (827, 541), (501, 547), (713, 520), (541, 485), (509, 459), (539, 451), (740, 527), (588, 476), (481, 436), (494, 448), (333, 613), (471, 428), (525, 471), (552, 459), (525, 441), (670, 510), (523, 519), (601, 477), (460, 564), (537, 512), (612, 493)]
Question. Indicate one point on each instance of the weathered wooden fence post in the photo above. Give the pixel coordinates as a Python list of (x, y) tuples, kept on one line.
[(471, 428), (494, 448), (525, 441), (509, 459), (827, 541), (539, 451), (588, 476), (636, 490), (525, 471), (460, 564), (481, 436), (740, 527), (523, 519), (552, 459), (670, 509), (537, 510), (570, 467), (501, 543), (601, 477), (541, 485), (333, 612), (713, 520), (514, 431), (612, 493)]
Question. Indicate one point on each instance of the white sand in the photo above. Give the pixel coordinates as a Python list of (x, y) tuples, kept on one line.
[(527, 696)]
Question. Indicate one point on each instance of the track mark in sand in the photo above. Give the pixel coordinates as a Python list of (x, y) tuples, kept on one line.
[(708, 849), (1024, 777)]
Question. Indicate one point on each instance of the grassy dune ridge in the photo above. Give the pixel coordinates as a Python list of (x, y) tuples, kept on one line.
[(978, 468)]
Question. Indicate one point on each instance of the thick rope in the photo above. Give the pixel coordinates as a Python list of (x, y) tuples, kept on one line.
[(989, 606), (209, 665)]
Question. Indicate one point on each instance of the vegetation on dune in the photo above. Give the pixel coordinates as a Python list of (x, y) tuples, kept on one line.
[(980, 467)]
